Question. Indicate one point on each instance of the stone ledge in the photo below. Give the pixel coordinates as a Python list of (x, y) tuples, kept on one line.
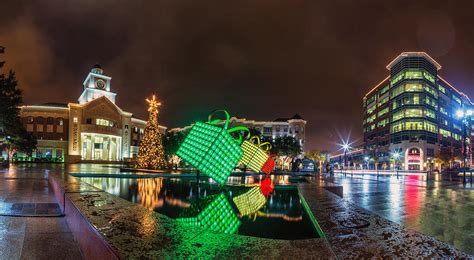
[(131, 231), (354, 232)]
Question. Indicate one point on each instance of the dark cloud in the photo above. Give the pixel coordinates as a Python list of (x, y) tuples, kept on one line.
[(260, 59)]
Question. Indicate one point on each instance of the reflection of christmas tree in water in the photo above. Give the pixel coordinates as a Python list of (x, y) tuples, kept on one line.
[(149, 191), (151, 154)]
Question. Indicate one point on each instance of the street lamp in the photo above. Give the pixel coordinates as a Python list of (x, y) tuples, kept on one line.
[(465, 115), (346, 147)]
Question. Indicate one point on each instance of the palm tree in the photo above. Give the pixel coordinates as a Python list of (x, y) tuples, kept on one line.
[(316, 156)]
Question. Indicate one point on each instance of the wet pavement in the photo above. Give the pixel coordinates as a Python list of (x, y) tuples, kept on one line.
[(136, 232), (439, 207), (25, 191)]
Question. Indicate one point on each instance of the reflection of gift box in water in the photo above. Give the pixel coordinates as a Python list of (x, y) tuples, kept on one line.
[(269, 165), (254, 157), (266, 187), (250, 201), (214, 212), (211, 149)]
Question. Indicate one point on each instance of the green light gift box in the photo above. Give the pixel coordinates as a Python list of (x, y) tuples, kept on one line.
[(211, 149), (250, 201), (254, 154), (214, 212)]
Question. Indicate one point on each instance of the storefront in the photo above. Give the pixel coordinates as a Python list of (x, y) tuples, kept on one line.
[(101, 147), (414, 159)]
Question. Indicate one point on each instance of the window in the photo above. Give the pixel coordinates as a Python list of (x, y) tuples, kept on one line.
[(413, 113), (413, 74), (429, 77), (429, 113), (431, 102), (398, 115), (443, 110), (88, 121), (384, 90), (30, 120), (382, 112), (415, 125), (104, 122), (371, 109), (431, 127), (383, 101), (431, 90), (441, 89), (457, 99), (372, 118), (75, 120), (444, 133), (411, 87), (397, 78), (383, 123), (60, 121), (50, 120), (397, 91)]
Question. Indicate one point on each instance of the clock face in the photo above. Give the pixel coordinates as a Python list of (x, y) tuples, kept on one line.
[(100, 84)]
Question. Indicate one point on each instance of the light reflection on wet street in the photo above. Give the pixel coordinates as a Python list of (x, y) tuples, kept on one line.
[(440, 208)]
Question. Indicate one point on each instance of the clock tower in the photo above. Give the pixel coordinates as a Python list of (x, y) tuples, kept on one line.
[(96, 85)]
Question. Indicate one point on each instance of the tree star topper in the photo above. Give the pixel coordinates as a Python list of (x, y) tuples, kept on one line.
[(153, 104)]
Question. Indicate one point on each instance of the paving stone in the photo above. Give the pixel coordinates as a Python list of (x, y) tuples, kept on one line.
[(50, 246)]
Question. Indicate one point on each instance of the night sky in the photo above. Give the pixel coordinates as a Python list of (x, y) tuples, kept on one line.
[(258, 59)]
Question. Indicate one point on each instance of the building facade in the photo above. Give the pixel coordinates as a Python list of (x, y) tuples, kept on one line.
[(280, 127), (412, 112), (94, 129)]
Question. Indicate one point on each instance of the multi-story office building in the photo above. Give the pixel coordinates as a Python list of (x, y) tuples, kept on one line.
[(413, 112), (280, 127), (95, 128)]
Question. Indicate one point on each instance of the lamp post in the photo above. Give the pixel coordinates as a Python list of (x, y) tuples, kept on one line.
[(465, 115), (346, 147)]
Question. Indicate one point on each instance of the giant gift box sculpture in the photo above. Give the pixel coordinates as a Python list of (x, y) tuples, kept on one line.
[(250, 201), (213, 212), (255, 154), (211, 149), (269, 164)]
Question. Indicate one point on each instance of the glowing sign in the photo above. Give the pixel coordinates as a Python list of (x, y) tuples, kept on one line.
[(250, 202), (214, 212), (414, 158), (211, 149), (254, 157)]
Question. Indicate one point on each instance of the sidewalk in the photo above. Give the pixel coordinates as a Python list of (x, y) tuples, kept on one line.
[(354, 232), (32, 237)]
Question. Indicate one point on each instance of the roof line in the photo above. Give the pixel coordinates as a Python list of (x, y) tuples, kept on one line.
[(374, 88), (455, 89), (413, 54)]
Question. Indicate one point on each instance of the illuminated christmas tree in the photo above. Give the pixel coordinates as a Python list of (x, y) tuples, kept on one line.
[(151, 154)]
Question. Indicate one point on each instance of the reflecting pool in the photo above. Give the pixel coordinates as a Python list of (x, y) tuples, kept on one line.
[(247, 206)]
